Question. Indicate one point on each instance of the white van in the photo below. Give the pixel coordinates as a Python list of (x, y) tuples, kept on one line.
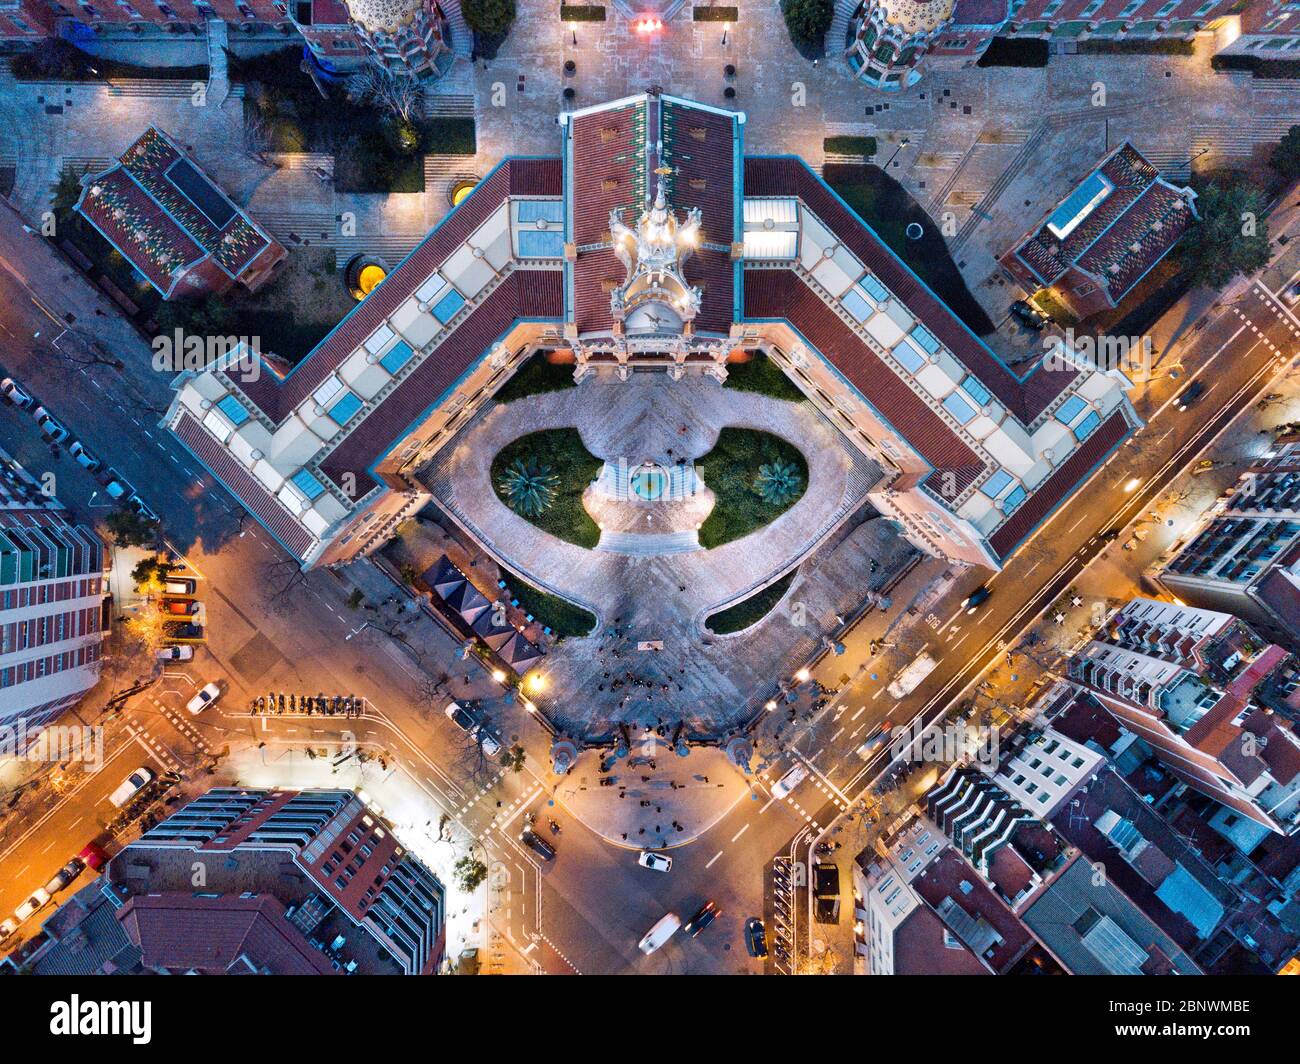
[(660, 933), (130, 786), (790, 781)]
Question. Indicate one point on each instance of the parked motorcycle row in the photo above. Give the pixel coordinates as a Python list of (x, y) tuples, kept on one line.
[(321, 704)]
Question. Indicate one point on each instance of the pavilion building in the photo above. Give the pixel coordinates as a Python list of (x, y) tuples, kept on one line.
[(653, 243)]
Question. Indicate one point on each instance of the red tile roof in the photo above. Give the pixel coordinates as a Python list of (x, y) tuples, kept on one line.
[(225, 935), (1027, 398)]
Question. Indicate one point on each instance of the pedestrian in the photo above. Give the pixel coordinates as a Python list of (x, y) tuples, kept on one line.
[(706, 779)]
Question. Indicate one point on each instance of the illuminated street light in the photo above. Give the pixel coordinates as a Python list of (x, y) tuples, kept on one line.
[(802, 675), (499, 675), (573, 30), (536, 682), (770, 706), (1131, 486)]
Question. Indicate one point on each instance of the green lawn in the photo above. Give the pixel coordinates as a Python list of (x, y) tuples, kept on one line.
[(563, 451), (760, 374), (560, 615), (535, 377), (730, 470), (885, 205), (751, 610), (845, 145)]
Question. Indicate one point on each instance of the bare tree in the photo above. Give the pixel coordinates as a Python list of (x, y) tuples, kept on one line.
[(280, 577), (402, 95)]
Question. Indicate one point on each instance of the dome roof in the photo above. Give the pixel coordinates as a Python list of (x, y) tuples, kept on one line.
[(917, 16), (384, 16)]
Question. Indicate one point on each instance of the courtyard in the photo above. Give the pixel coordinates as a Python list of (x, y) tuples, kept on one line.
[(652, 659)]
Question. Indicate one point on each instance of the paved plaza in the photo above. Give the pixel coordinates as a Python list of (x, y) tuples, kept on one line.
[(644, 588)]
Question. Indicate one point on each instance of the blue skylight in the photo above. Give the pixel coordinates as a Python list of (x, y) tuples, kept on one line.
[(541, 210), (233, 409), (996, 483), (448, 305), (305, 481), (541, 243), (1014, 499), (1070, 409), (976, 391), (925, 339), (346, 408), (398, 357), (911, 359), (874, 288), (959, 408), (855, 304), (1085, 427)]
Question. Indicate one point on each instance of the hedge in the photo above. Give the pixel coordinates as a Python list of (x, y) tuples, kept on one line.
[(849, 145), (1014, 52), (1136, 46), (582, 13), (738, 617), (716, 14), (1258, 65)]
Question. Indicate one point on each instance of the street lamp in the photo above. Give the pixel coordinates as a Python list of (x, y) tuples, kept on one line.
[(573, 31), (725, 27), (901, 145), (802, 675)]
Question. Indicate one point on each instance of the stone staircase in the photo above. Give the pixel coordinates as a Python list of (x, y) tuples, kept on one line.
[(448, 105), (159, 87), (642, 544), (391, 247), (296, 228), (1237, 139), (837, 34), (462, 37)]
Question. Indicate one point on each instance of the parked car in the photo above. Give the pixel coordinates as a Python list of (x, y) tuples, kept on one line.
[(16, 394), (176, 654), (115, 485), (64, 876), (1291, 293), (32, 905), (206, 696), (8, 928), (179, 585), (460, 718), (142, 508), (93, 856), (535, 842), (656, 862), (1028, 314), (663, 930), (709, 912), (52, 429), (179, 607), (491, 746), (1189, 395), (976, 599), (755, 937), (183, 632), (130, 787), (790, 781), (83, 457)]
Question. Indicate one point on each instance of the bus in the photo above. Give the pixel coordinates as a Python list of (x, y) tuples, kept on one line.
[(910, 678)]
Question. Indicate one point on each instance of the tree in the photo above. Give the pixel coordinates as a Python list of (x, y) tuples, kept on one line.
[(489, 17), (130, 529), (514, 758), (778, 482), (528, 487), (1285, 159), (1230, 238), (399, 94), (148, 575), (470, 873), (807, 20)]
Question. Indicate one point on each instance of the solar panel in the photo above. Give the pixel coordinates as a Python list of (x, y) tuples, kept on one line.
[(201, 192)]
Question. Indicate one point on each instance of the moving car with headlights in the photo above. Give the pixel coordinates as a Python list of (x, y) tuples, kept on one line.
[(709, 912), (662, 931)]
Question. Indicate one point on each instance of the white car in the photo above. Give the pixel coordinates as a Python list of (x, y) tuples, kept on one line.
[(52, 429), (660, 933), (176, 654), (790, 781), (657, 862), (32, 905), (209, 694), (130, 786), (13, 391), (8, 928), (84, 458), (487, 740)]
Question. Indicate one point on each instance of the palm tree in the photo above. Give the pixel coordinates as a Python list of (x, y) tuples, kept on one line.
[(779, 483), (528, 487)]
